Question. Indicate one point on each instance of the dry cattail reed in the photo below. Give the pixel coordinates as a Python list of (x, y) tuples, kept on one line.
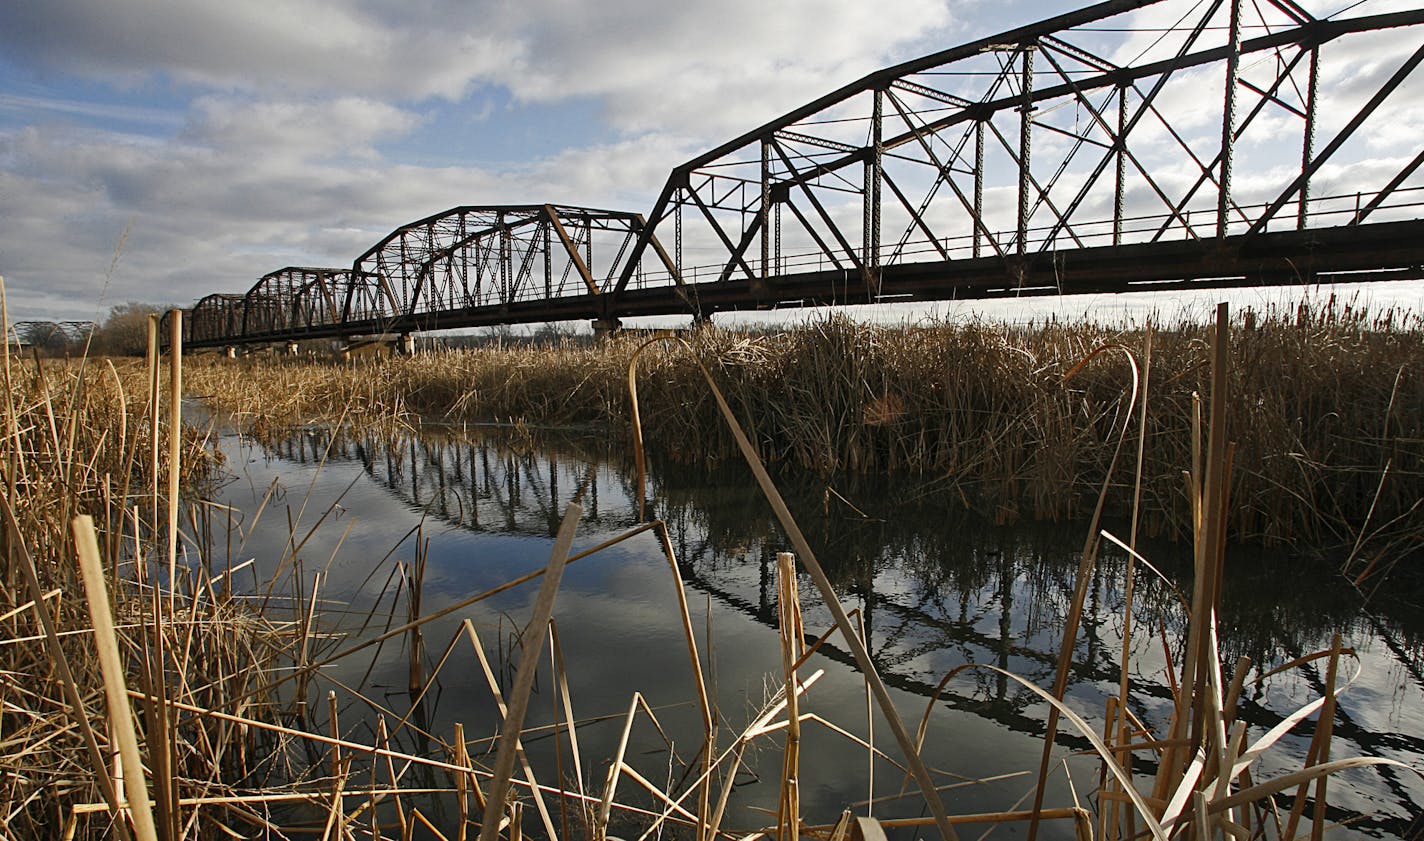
[(1329, 423)]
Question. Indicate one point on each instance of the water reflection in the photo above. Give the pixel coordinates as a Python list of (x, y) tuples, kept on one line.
[(935, 589)]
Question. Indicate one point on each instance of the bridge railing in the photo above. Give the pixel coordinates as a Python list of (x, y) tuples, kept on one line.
[(1198, 223)]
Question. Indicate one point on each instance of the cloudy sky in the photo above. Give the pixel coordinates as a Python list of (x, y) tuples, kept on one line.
[(157, 151)]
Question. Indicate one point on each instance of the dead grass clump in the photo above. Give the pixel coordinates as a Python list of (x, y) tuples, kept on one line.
[(97, 693), (1331, 413)]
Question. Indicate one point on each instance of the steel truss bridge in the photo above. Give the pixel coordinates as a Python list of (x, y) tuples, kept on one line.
[(49, 335), (1134, 145)]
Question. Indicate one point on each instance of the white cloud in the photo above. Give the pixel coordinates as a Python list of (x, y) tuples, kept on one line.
[(201, 218), (718, 66), (652, 64), (125, 113), (314, 45), (247, 189), (327, 129)]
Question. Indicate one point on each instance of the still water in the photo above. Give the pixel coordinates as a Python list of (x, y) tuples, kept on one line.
[(935, 589)]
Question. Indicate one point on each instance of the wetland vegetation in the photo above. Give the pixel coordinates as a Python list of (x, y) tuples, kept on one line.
[(1016, 421), (223, 678)]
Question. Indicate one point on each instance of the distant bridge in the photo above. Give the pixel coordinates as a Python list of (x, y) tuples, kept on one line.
[(1134, 145), (53, 336)]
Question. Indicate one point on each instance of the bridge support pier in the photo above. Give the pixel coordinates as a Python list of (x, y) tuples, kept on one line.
[(604, 328), (291, 348), (407, 344)]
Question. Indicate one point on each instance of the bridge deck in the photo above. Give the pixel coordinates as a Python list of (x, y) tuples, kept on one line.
[(1372, 252)]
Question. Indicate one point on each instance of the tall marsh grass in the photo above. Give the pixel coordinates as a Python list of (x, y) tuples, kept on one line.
[(84, 502), (1330, 415), (172, 704)]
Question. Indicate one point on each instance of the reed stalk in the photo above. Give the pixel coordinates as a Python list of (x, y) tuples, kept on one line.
[(175, 444), (792, 650), (533, 640)]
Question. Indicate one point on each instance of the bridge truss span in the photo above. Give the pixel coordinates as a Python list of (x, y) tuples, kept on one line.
[(1133, 145), (299, 300), (473, 266), (285, 305), (55, 336), (1172, 136)]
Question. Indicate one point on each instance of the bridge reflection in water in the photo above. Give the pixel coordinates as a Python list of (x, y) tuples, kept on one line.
[(935, 588)]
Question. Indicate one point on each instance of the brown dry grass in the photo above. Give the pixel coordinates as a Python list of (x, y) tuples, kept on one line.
[(226, 727), (80, 452), (1330, 420)]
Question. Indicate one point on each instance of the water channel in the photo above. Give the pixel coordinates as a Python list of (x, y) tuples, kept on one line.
[(934, 587)]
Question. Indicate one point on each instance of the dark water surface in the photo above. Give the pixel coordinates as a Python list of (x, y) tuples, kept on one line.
[(936, 589)]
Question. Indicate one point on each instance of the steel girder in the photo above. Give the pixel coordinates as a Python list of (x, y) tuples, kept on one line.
[(1005, 154)]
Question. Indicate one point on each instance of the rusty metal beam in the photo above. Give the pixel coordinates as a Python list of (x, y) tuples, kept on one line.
[(571, 249)]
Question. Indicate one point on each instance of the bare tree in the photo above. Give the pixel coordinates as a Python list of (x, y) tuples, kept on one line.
[(125, 331)]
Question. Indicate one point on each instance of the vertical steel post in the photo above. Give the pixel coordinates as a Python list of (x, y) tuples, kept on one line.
[(1308, 145), (870, 257), (504, 260), (405, 280), (464, 258), (1025, 143), (765, 209), (548, 260), (776, 245), (1120, 182), (977, 223), (1228, 121)]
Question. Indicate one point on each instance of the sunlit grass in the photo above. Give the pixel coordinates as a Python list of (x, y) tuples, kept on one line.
[(1330, 419)]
